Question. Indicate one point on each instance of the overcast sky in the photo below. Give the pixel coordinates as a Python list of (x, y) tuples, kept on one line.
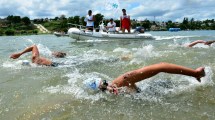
[(160, 10)]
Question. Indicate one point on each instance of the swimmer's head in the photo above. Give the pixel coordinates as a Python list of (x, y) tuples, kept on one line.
[(140, 29), (98, 85), (103, 85), (25, 62), (59, 54)]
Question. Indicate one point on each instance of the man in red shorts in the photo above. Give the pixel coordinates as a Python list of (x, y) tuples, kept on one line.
[(125, 22)]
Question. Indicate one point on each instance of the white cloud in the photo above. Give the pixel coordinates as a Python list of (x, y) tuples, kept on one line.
[(163, 10)]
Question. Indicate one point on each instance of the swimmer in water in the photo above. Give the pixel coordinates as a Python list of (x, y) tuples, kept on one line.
[(201, 41), (36, 58), (129, 79)]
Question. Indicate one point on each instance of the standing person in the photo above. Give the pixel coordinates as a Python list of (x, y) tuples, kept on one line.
[(129, 79), (111, 26), (125, 22), (89, 19), (36, 58)]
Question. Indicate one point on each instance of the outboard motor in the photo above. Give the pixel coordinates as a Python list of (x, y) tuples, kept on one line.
[(139, 29)]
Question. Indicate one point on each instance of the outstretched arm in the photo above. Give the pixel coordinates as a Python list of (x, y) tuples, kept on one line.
[(196, 42), (152, 70), (209, 42), (130, 78)]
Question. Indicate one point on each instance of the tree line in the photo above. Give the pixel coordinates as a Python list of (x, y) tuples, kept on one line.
[(17, 25), (62, 23)]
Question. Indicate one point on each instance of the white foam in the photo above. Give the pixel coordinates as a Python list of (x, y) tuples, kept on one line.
[(122, 50), (44, 50), (171, 37), (76, 86), (88, 57), (141, 54), (17, 64)]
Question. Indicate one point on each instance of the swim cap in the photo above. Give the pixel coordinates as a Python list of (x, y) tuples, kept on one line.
[(25, 62), (92, 83)]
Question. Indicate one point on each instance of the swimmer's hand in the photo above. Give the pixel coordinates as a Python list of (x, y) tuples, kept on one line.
[(113, 89), (15, 55)]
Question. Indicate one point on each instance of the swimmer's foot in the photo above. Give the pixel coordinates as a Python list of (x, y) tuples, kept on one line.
[(201, 73)]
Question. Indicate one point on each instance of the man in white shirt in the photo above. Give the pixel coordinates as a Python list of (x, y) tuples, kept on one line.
[(89, 19), (111, 26)]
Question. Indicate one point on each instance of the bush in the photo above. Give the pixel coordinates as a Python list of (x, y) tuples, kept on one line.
[(10, 32), (35, 32), (23, 32), (1, 32)]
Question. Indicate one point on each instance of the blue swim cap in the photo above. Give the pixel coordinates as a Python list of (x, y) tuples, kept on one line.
[(92, 84)]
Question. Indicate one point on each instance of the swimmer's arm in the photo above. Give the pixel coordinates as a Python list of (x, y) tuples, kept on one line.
[(209, 42), (28, 49), (196, 42)]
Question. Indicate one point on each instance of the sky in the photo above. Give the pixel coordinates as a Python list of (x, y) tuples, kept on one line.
[(159, 10)]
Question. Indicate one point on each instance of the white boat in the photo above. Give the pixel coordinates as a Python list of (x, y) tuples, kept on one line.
[(80, 34)]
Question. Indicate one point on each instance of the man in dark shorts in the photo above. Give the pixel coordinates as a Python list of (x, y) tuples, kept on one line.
[(36, 58)]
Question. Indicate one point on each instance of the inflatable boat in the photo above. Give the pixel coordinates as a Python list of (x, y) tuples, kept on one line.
[(100, 34)]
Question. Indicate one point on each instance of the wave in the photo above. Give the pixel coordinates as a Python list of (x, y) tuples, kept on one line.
[(137, 55), (154, 89), (172, 37)]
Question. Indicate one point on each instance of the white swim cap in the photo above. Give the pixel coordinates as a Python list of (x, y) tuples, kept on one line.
[(25, 62)]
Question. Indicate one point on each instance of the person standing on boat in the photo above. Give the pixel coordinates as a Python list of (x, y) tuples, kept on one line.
[(125, 22), (89, 19), (111, 26)]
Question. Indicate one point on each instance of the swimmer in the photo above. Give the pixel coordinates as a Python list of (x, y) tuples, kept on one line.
[(36, 58), (129, 79), (201, 41)]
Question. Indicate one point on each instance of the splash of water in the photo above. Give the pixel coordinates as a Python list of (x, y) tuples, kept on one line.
[(76, 86)]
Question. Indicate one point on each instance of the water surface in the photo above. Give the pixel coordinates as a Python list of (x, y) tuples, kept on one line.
[(58, 93)]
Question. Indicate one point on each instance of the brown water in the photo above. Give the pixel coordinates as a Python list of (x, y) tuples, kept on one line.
[(59, 93)]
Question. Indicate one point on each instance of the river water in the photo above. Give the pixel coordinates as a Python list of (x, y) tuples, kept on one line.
[(59, 93)]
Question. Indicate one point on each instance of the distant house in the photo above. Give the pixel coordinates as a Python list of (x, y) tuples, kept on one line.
[(155, 28)]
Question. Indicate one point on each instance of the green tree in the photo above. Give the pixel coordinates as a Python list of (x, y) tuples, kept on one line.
[(146, 24), (16, 19), (26, 20), (10, 32), (82, 21), (98, 18), (1, 32), (70, 20), (77, 20)]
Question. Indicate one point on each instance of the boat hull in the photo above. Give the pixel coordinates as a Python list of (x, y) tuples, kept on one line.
[(81, 35)]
